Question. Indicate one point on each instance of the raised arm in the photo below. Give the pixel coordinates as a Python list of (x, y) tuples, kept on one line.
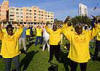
[(67, 28), (96, 28), (1, 33), (49, 30), (19, 31)]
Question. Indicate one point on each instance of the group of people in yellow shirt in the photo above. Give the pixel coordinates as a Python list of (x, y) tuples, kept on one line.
[(79, 44)]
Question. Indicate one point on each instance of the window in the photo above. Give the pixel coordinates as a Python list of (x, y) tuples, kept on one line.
[(17, 13), (34, 10), (34, 19), (11, 19), (11, 15), (26, 16), (30, 10), (21, 16), (17, 16), (34, 16), (17, 9), (21, 12), (34, 13)]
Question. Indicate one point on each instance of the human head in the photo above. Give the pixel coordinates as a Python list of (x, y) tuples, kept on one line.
[(78, 29), (67, 19), (54, 27), (9, 29)]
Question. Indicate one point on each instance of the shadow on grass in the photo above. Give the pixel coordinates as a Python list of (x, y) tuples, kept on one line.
[(65, 60), (29, 45), (27, 59)]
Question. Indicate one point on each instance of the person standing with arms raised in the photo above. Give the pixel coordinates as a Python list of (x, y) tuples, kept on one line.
[(79, 45), (9, 49)]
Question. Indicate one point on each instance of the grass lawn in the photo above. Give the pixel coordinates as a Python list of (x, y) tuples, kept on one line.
[(37, 60)]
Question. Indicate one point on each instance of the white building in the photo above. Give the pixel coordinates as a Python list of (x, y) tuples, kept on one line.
[(83, 10)]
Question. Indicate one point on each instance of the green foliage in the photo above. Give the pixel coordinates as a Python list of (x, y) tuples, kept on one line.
[(58, 22), (81, 19)]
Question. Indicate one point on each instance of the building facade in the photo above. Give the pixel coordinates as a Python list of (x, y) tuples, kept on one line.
[(83, 10), (25, 14), (30, 14), (4, 7)]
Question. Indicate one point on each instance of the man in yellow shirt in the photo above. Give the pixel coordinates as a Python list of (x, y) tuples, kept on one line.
[(9, 49), (97, 48), (38, 35), (28, 34), (54, 40), (79, 46)]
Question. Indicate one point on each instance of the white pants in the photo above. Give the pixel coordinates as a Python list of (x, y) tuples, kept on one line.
[(22, 41), (44, 43)]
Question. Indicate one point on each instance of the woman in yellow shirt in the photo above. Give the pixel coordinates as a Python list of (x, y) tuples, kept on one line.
[(9, 49), (79, 46), (54, 40)]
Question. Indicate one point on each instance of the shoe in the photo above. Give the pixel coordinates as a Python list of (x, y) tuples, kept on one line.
[(25, 52), (0, 56), (14, 70), (94, 58)]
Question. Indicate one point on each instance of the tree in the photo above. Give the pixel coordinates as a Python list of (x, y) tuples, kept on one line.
[(58, 22), (81, 19)]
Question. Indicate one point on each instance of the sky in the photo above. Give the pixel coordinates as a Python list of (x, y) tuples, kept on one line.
[(61, 8)]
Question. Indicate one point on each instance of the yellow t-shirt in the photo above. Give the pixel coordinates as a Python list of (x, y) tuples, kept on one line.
[(79, 45), (28, 32), (15, 29), (55, 36), (4, 30), (9, 48), (38, 32), (98, 34)]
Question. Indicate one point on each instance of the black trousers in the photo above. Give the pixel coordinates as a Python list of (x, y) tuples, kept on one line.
[(8, 62), (74, 65), (97, 48), (55, 50)]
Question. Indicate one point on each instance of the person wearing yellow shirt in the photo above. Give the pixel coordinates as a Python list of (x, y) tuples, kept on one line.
[(54, 40), (9, 49), (28, 34), (3, 28), (69, 28), (97, 48), (79, 46), (38, 35)]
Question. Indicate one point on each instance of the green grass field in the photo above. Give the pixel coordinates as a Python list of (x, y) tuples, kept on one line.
[(37, 60)]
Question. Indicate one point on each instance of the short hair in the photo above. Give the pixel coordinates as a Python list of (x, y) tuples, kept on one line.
[(67, 19), (9, 26)]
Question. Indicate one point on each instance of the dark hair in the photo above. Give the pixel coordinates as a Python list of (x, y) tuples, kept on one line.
[(67, 19), (98, 21), (9, 26), (78, 26)]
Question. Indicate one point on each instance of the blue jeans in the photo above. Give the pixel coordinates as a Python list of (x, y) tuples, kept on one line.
[(8, 63), (38, 38)]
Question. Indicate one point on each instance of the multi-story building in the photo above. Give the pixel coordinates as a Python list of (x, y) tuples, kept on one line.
[(4, 10), (83, 10), (25, 14), (30, 14)]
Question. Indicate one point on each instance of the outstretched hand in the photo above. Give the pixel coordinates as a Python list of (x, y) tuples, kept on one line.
[(67, 19)]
